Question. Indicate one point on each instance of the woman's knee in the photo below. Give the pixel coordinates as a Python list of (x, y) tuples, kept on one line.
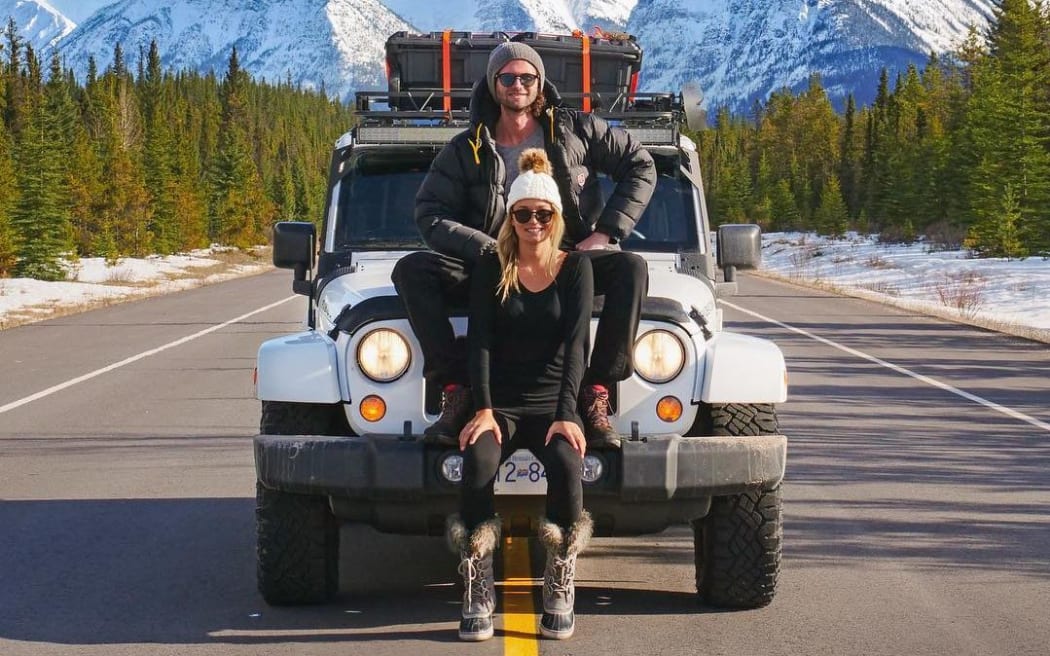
[(561, 459), (481, 460)]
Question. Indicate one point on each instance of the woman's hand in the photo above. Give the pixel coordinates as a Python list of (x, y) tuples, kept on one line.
[(483, 420), (571, 431)]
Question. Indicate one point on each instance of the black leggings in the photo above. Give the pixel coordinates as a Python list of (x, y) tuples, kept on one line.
[(482, 459)]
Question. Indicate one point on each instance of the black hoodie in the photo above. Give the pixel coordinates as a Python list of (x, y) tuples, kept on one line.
[(461, 203)]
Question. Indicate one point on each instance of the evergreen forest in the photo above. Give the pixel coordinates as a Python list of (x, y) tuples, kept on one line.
[(143, 161), (957, 152), (135, 162)]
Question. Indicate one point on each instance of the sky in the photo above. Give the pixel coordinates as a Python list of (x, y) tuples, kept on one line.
[(989, 292), (78, 10)]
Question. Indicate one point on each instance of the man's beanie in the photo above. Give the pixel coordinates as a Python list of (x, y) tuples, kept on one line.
[(507, 52), (535, 181)]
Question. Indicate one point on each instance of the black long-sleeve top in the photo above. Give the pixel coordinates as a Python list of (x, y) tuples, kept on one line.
[(529, 353)]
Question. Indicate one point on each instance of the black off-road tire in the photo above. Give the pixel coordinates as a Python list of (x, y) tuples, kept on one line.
[(737, 546), (286, 418), (297, 550)]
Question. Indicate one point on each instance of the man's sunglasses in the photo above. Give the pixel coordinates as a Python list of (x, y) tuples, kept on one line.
[(508, 79), (524, 216)]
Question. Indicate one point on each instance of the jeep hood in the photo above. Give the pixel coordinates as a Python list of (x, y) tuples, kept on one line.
[(367, 277)]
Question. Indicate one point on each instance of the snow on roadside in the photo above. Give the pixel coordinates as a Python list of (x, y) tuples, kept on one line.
[(994, 293), (92, 282)]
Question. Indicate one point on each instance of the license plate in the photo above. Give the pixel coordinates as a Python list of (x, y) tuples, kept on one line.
[(522, 473)]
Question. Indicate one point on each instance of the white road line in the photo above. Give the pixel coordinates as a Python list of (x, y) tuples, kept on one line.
[(135, 358), (1009, 412)]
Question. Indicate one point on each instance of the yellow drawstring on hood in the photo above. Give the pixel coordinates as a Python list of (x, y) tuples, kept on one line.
[(475, 145)]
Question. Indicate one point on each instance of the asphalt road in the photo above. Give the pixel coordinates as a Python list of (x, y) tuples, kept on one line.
[(917, 503)]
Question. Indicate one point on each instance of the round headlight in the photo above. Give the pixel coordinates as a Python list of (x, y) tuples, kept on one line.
[(383, 355), (658, 356)]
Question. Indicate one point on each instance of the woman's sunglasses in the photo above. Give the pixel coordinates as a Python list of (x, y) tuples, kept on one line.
[(524, 216), (508, 79)]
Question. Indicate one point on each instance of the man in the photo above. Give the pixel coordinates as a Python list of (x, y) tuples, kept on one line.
[(462, 203)]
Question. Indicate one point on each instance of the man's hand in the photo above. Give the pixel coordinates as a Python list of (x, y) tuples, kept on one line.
[(571, 432), (596, 242), (482, 421)]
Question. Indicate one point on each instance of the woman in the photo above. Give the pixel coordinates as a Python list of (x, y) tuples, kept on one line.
[(530, 315)]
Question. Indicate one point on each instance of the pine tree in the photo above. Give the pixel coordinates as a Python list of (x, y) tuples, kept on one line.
[(14, 84), (851, 151), (41, 217), (784, 208), (159, 156), (877, 155), (1008, 124), (832, 216), (999, 236), (8, 196), (239, 207)]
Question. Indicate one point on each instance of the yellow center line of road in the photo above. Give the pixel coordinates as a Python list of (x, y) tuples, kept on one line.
[(1009, 412), (519, 616), (135, 358)]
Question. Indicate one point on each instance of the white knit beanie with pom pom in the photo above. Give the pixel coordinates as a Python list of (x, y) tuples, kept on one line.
[(535, 181)]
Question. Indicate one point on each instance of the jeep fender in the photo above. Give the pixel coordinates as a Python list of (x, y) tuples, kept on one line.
[(299, 368), (743, 369)]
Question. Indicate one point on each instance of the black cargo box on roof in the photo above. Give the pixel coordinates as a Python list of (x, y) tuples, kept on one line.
[(418, 77)]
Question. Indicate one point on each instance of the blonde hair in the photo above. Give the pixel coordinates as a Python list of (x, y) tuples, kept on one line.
[(535, 160)]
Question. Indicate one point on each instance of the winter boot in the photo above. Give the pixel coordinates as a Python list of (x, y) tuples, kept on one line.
[(594, 406), (559, 589), (475, 549), (456, 406)]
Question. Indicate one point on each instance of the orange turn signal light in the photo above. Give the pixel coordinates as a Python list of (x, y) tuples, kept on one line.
[(373, 408), (669, 409)]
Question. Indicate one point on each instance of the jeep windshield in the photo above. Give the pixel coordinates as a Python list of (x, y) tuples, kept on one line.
[(375, 202), (670, 220), (376, 197)]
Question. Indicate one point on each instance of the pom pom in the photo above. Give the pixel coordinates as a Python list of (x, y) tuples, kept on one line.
[(535, 159)]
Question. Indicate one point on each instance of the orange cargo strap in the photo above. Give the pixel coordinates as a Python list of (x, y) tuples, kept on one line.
[(446, 68), (586, 68)]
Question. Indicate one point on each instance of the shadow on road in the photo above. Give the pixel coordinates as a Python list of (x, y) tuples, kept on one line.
[(887, 470), (181, 571)]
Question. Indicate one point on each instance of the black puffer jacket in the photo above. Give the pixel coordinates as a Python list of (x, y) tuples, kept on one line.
[(461, 203)]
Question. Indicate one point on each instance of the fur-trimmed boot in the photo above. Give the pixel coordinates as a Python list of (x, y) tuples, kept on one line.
[(475, 549), (559, 577)]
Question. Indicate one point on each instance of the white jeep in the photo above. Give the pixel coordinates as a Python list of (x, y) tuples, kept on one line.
[(344, 403)]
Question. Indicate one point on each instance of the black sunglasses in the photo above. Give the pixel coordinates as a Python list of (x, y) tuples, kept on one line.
[(508, 79), (524, 216)]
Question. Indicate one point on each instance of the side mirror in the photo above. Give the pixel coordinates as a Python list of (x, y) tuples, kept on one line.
[(692, 99), (739, 246), (294, 245)]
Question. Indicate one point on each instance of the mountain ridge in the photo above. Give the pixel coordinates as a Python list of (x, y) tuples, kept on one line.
[(739, 50)]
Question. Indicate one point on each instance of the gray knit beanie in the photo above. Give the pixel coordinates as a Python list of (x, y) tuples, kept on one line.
[(508, 52)]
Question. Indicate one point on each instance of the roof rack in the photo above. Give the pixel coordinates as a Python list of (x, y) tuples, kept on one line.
[(652, 118), (640, 109)]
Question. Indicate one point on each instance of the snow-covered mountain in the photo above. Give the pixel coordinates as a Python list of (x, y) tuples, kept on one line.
[(337, 43), (738, 50), (742, 50), (40, 24), (514, 15)]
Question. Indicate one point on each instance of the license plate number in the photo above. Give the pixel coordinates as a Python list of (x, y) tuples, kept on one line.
[(522, 473)]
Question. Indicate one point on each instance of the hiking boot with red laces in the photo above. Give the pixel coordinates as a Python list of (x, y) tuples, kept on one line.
[(455, 412), (594, 407)]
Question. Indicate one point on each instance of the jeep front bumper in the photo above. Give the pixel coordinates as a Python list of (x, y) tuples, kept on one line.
[(394, 483)]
